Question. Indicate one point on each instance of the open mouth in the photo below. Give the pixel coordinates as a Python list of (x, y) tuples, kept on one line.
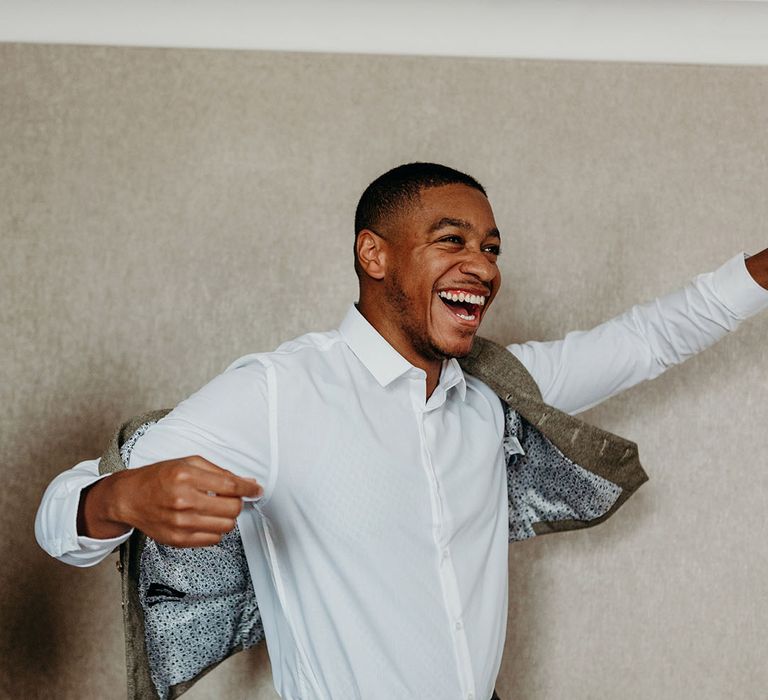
[(465, 305)]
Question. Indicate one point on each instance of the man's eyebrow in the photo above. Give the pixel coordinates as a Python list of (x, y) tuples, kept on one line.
[(448, 221)]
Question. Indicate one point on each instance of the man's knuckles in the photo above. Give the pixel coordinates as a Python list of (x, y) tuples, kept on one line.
[(180, 501), (179, 473), (224, 507), (198, 472), (179, 520), (223, 480), (226, 485), (199, 462)]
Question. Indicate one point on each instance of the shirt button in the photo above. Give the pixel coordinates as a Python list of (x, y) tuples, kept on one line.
[(471, 696), (459, 625), (446, 554)]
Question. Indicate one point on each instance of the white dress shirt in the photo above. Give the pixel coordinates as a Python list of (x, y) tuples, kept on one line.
[(378, 551)]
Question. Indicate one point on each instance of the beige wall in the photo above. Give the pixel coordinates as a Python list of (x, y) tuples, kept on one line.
[(163, 212)]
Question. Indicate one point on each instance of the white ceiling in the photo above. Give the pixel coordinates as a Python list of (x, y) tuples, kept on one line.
[(676, 31)]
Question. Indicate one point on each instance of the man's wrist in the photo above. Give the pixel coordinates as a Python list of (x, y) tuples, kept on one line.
[(99, 512)]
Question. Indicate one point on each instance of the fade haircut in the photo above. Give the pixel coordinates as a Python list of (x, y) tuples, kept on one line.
[(389, 194)]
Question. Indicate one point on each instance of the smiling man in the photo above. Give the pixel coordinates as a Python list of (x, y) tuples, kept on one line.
[(359, 483), (428, 269)]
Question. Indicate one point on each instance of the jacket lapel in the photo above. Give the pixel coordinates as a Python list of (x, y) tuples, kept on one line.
[(574, 474)]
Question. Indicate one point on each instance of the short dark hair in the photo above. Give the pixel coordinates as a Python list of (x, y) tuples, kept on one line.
[(398, 188)]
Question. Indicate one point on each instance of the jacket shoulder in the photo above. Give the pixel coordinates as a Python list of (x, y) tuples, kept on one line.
[(500, 370)]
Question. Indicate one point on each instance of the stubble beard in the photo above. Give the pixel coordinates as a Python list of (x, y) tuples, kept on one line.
[(402, 306)]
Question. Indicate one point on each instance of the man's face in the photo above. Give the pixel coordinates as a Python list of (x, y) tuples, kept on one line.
[(441, 271)]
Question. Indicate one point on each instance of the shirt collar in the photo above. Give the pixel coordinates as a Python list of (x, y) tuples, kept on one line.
[(383, 361), (453, 375)]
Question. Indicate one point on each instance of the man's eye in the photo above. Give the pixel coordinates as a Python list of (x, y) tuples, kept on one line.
[(452, 239), (493, 249)]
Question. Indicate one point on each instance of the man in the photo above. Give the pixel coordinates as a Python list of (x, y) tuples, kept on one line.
[(371, 466)]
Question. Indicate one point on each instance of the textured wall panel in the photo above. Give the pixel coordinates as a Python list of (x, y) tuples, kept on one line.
[(166, 211)]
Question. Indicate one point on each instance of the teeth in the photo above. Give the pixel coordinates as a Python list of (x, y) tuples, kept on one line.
[(466, 318), (478, 299)]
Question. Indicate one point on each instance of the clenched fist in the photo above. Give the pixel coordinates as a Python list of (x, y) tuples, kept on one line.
[(187, 502)]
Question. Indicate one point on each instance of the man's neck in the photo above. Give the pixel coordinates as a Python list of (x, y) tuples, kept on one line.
[(394, 336)]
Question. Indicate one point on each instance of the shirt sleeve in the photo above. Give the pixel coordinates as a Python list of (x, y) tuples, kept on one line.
[(225, 422), (587, 367)]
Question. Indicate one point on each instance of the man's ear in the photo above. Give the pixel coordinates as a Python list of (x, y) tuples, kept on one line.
[(372, 253)]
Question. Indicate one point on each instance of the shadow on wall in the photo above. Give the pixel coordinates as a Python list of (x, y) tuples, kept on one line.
[(55, 618)]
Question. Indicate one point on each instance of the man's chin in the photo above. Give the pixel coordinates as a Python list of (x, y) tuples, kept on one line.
[(455, 349)]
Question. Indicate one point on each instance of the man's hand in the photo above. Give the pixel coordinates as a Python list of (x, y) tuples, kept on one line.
[(187, 502)]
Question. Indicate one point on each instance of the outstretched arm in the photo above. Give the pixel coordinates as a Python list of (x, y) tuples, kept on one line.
[(587, 367)]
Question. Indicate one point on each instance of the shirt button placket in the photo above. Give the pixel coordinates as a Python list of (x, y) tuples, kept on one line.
[(445, 571)]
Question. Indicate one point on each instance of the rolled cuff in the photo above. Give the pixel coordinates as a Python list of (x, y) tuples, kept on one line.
[(90, 550), (56, 522), (737, 289)]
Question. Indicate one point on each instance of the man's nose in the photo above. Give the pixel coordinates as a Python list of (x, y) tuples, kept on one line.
[(477, 264)]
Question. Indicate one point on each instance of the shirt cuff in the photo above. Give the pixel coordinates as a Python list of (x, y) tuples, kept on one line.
[(737, 289), (84, 547), (88, 544)]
